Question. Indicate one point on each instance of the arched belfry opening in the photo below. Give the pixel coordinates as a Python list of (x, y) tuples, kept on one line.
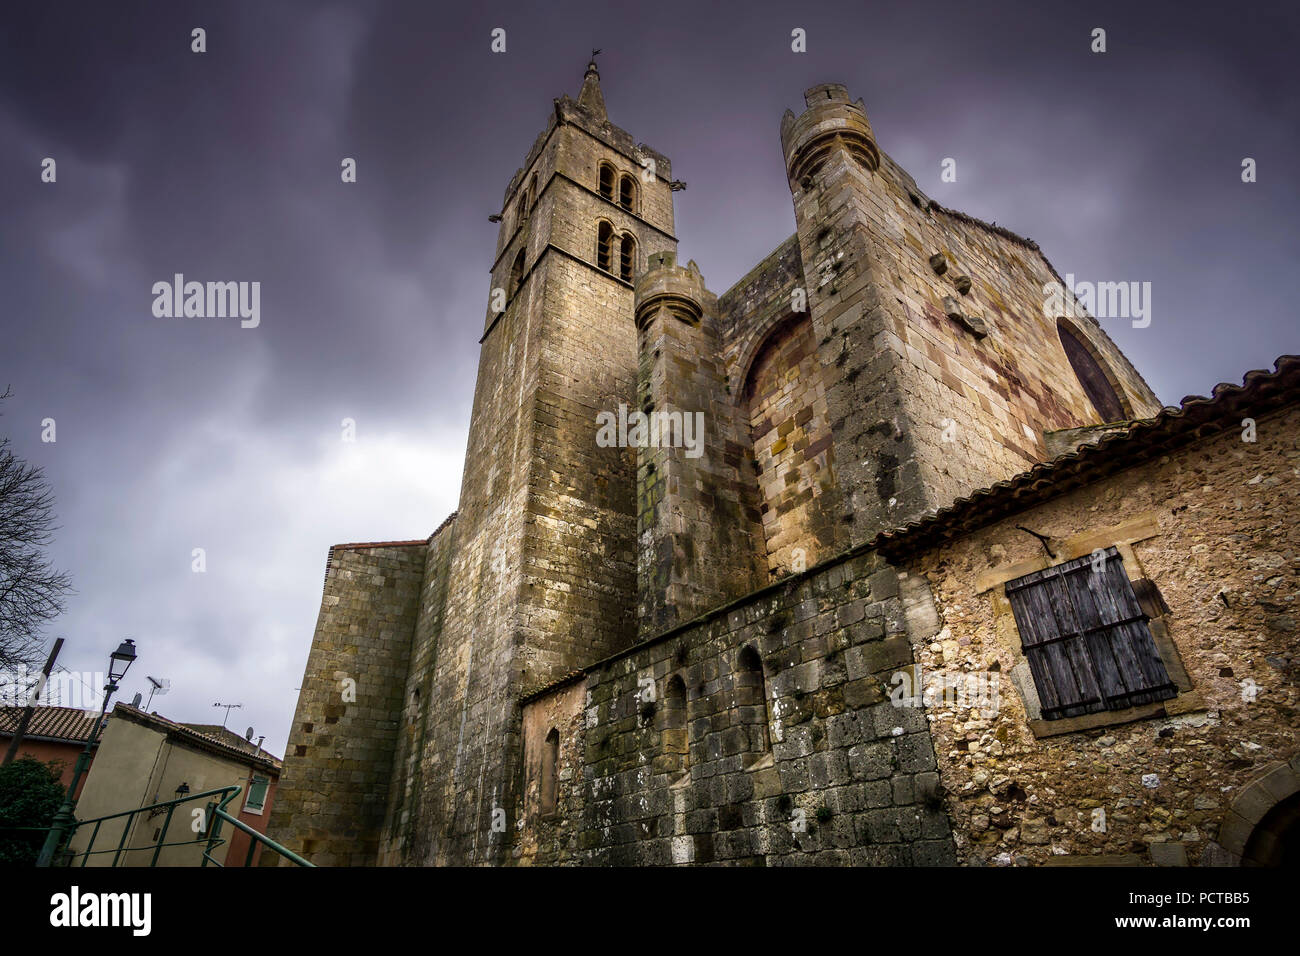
[(1090, 369)]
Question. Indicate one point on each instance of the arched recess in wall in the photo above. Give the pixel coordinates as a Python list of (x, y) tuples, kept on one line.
[(784, 398), (676, 745), (550, 776), (1262, 825), (1098, 381), (751, 702)]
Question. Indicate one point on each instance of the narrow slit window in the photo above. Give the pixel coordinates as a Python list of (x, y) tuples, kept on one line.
[(676, 746), (550, 782), (751, 699)]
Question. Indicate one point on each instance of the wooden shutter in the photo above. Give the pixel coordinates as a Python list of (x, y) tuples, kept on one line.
[(257, 794), (1086, 638)]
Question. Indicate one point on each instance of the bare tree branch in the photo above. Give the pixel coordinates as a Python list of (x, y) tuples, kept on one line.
[(32, 591)]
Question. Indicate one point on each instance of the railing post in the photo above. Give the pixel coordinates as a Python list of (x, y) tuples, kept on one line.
[(93, 834), (162, 837), (214, 827), (126, 830)]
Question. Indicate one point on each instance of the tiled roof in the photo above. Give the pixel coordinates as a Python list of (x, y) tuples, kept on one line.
[(51, 723), (546, 688), (226, 736), (1261, 391), (187, 732)]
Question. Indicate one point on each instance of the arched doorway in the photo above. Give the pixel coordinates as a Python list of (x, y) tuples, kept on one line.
[(1262, 827)]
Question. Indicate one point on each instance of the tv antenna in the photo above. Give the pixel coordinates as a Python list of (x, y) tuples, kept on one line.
[(229, 708), (159, 685)]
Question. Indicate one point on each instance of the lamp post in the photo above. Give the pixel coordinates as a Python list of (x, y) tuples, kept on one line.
[(118, 663)]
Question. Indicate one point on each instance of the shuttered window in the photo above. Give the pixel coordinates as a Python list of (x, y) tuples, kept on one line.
[(256, 795), (1086, 639)]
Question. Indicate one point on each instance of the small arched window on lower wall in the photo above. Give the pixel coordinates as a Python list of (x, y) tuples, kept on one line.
[(550, 777), (676, 745), (1098, 384), (751, 703)]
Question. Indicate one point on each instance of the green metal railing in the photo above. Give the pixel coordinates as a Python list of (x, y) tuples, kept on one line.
[(215, 814)]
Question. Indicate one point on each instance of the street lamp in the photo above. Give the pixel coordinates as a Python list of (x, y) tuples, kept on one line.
[(119, 662)]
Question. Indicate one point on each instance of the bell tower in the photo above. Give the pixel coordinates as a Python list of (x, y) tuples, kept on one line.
[(542, 579)]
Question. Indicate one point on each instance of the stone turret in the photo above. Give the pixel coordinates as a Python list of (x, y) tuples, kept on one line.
[(698, 535), (831, 122)]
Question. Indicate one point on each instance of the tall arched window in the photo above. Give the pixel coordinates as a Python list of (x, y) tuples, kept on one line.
[(627, 193), (676, 746), (1092, 375), (532, 192), (604, 246), (606, 180), (627, 258), (516, 273), (751, 699), (550, 782)]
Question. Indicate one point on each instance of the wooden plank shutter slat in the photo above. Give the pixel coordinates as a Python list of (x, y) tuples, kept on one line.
[(1085, 638), (1074, 655)]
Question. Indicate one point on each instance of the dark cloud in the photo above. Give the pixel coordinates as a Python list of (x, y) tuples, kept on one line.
[(176, 434)]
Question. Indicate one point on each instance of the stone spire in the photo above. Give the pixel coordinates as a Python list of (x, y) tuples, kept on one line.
[(591, 98)]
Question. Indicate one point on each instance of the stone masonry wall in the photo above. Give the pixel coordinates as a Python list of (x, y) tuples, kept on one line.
[(978, 407), (1209, 525), (405, 829), (791, 435), (826, 770), (551, 838), (334, 789)]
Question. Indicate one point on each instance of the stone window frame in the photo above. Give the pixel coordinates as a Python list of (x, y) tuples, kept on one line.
[(1121, 537)]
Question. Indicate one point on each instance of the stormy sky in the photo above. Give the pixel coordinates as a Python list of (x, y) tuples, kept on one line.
[(183, 433)]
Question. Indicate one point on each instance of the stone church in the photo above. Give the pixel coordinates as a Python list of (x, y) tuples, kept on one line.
[(940, 581)]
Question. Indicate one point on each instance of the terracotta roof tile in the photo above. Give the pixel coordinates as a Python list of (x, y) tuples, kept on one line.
[(52, 723)]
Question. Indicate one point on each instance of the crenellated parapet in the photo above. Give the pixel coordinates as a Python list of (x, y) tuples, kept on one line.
[(831, 122)]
